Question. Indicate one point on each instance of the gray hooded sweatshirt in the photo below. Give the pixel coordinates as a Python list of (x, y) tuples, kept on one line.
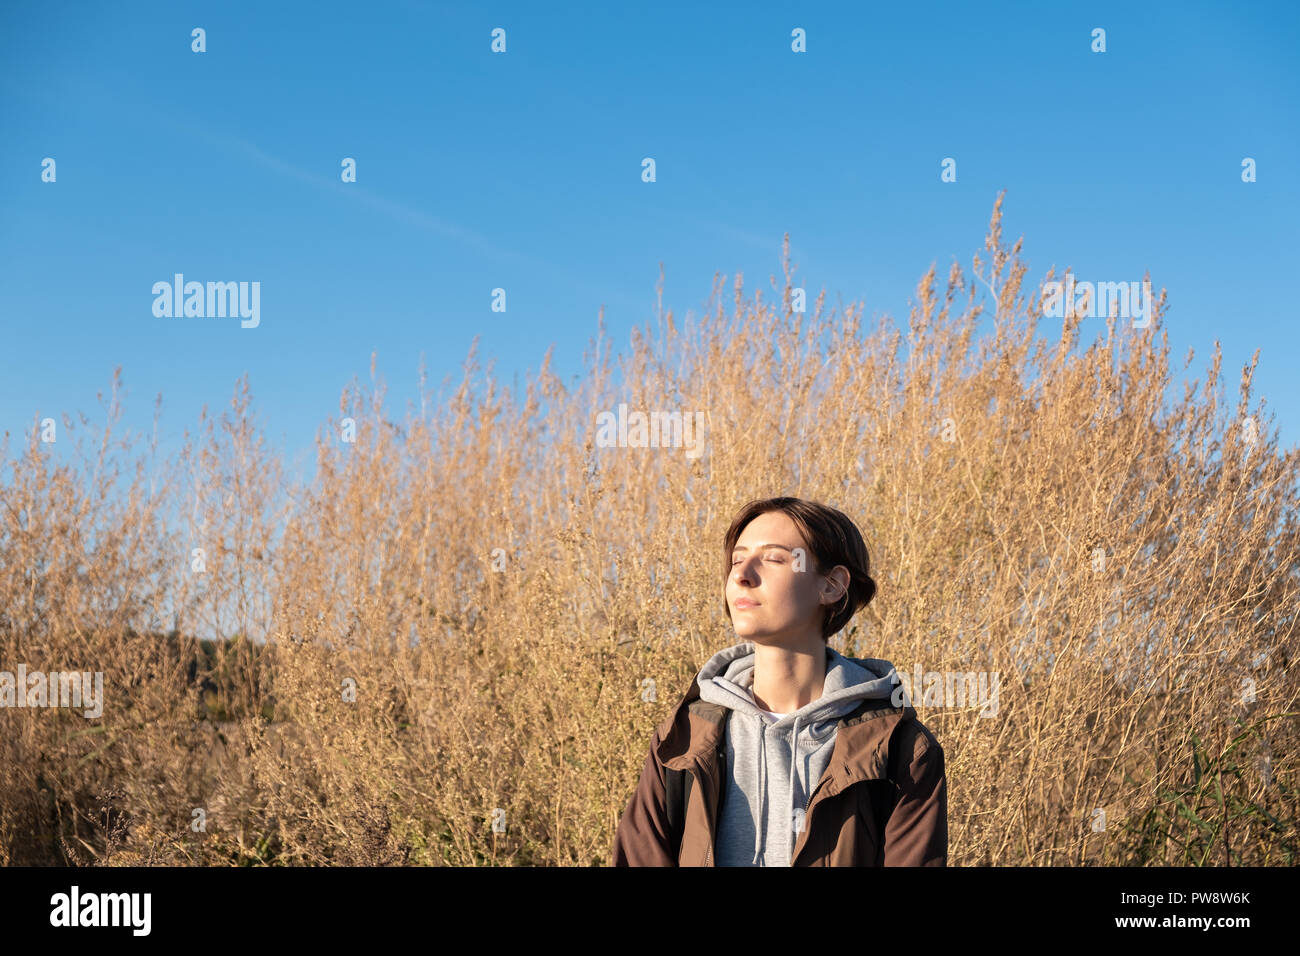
[(774, 763)]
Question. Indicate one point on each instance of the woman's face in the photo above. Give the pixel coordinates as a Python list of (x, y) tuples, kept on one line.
[(784, 601)]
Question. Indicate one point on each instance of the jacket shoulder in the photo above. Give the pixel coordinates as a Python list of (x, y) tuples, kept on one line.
[(915, 754), (916, 831), (691, 727), (915, 738)]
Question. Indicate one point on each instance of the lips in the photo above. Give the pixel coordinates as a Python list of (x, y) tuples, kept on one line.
[(745, 603)]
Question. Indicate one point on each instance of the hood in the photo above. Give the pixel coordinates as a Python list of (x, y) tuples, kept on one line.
[(727, 679)]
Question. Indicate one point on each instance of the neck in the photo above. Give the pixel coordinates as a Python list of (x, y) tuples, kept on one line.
[(787, 678)]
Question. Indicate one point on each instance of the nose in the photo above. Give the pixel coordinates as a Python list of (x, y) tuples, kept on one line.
[(741, 573)]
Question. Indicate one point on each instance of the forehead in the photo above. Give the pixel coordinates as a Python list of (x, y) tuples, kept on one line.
[(773, 527)]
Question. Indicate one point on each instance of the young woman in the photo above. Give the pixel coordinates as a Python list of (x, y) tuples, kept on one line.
[(784, 752)]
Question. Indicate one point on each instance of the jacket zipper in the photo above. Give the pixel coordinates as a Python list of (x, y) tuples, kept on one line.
[(722, 782), (696, 775), (708, 857)]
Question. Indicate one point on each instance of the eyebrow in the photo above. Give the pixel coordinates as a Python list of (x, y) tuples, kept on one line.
[(770, 544)]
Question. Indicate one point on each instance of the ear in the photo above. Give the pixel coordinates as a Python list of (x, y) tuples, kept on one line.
[(836, 584)]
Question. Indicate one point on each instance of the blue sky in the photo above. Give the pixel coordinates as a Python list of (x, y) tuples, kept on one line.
[(477, 170)]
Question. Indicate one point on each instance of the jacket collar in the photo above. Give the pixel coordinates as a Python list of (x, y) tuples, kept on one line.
[(692, 734)]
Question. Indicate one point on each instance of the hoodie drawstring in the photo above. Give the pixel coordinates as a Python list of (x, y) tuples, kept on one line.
[(794, 770), (762, 787)]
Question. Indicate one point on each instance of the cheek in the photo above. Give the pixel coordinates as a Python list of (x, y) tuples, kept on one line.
[(796, 591)]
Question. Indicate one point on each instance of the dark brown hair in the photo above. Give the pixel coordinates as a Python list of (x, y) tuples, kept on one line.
[(832, 538)]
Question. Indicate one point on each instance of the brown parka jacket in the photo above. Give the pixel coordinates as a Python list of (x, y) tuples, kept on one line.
[(876, 741)]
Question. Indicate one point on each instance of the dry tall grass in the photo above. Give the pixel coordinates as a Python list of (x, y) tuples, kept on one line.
[(507, 686)]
